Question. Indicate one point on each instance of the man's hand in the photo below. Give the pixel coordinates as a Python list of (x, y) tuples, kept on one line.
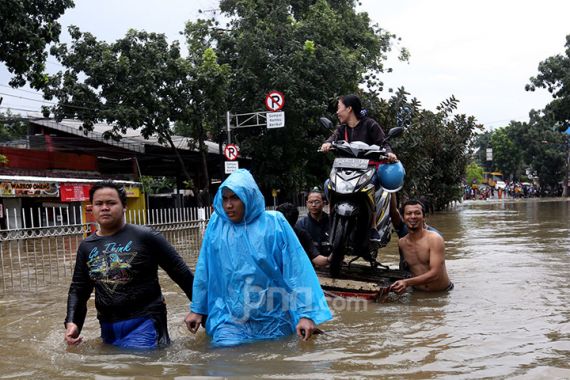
[(321, 261), (193, 321), (305, 328), (326, 147), (392, 157), (399, 286), (72, 337)]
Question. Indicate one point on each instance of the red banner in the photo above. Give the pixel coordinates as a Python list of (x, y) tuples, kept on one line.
[(74, 193)]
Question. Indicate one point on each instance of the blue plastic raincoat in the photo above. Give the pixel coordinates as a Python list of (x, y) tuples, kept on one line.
[(253, 280)]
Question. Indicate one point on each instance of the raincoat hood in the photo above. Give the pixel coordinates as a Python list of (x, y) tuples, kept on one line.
[(241, 182)]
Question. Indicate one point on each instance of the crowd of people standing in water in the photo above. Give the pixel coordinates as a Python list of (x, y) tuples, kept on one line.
[(512, 189), (254, 279)]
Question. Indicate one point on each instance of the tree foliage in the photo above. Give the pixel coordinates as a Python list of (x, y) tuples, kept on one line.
[(435, 149), (140, 82), (473, 173), (507, 154), (26, 27), (312, 51), (534, 147), (554, 75), (12, 127), (548, 157)]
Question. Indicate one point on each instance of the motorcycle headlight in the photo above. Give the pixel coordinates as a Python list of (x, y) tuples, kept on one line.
[(345, 187), (365, 177)]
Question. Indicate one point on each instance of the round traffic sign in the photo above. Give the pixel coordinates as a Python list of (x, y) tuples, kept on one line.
[(274, 101), (231, 151)]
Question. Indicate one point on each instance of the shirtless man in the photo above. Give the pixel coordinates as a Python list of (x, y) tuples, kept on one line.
[(423, 251)]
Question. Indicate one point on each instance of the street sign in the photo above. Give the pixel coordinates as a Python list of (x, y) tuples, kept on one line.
[(275, 119), (231, 151), (231, 166), (274, 101)]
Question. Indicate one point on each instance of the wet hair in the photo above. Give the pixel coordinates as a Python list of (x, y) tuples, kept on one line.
[(354, 102), (413, 202), (110, 185), (290, 211)]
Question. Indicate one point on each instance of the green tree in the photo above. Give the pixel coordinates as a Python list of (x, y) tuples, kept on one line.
[(138, 82), (473, 173), (481, 143), (205, 114), (507, 153), (554, 75), (312, 51), (535, 146), (545, 151), (26, 27), (12, 126), (435, 150)]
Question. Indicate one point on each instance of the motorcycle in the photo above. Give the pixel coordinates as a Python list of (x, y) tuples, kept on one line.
[(354, 196)]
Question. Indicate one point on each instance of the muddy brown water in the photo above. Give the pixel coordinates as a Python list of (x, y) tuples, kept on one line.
[(508, 317)]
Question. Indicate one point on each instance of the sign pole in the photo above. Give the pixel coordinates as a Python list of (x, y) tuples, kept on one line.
[(228, 126)]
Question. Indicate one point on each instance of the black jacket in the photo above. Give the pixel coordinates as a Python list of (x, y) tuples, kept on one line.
[(367, 130)]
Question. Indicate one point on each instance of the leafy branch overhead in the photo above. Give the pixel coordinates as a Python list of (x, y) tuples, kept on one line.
[(26, 28)]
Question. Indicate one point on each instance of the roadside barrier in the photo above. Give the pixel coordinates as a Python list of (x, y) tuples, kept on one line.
[(38, 246)]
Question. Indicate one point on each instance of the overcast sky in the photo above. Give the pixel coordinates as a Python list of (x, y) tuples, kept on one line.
[(482, 52)]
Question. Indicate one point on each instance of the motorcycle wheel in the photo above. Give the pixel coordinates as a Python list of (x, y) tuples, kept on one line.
[(339, 243)]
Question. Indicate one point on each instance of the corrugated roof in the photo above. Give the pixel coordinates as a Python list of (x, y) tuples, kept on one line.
[(131, 140), (56, 179)]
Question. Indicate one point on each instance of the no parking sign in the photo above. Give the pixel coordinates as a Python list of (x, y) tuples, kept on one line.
[(274, 101), (231, 151)]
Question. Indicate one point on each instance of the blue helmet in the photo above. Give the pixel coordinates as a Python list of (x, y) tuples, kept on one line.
[(391, 176)]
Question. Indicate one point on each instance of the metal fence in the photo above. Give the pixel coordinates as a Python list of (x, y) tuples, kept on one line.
[(35, 253)]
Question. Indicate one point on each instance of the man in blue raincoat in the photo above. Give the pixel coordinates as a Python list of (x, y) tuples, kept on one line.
[(253, 279)]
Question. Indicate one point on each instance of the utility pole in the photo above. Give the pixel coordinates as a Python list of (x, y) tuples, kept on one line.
[(565, 188)]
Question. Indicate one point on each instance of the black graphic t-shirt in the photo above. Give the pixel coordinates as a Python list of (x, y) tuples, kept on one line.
[(123, 269)]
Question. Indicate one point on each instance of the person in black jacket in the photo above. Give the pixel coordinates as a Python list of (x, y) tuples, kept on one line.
[(356, 126), (120, 261), (291, 213), (316, 222)]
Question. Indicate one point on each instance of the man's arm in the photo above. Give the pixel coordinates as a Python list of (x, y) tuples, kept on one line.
[(395, 213), (169, 260), (79, 293)]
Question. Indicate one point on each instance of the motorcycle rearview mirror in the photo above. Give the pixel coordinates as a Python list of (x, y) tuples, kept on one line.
[(395, 132), (326, 123)]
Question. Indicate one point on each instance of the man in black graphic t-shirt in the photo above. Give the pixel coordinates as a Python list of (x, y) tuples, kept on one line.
[(120, 261)]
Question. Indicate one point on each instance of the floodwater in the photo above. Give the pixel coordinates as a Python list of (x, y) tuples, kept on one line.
[(508, 317)]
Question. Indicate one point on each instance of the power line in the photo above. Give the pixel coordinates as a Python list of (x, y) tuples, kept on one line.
[(25, 98), (19, 109), (22, 90)]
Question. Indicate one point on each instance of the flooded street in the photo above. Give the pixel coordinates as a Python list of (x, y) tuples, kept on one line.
[(508, 317)]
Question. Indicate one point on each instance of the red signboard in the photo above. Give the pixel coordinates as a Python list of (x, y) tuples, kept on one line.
[(74, 193)]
